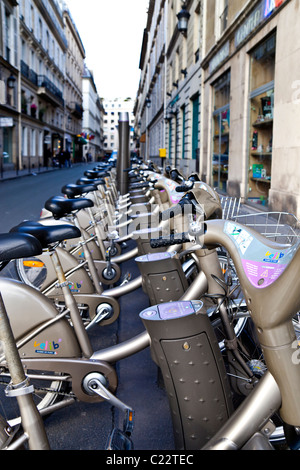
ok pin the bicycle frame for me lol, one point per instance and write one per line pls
(273, 320)
(263, 293)
(19, 387)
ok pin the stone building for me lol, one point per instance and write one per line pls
(43, 47)
(222, 96)
(113, 107)
(251, 101)
(75, 56)
(9, 77)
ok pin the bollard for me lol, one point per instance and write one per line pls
(123, 161)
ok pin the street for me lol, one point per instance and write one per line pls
(87, 426)
(23, 198)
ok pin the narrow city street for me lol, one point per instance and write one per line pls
(23, 198)
(85, 426)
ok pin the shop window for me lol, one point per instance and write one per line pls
(262, 74)
(221, 131)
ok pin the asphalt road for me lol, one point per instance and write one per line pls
(87, 426)
(24, 197)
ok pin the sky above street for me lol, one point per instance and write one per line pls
(111, 32)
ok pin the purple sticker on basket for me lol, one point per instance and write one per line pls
(261, 274)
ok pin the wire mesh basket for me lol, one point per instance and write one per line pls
(281, 227)
(231, 206)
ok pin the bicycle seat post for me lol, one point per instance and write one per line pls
(72, 306)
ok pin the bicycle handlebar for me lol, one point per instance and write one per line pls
(174, 239)
(185, 187)
(140, 185)
(269, 276)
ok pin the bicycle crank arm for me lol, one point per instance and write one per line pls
(96, 384)
(94, 302)
(78, 369)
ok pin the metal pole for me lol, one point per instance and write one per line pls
(123, 161)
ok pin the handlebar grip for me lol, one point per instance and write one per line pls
(139, 185)
(175, 239)
(171, 212)
(183, 188)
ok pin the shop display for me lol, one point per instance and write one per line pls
(261, 121)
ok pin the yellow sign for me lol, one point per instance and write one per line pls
(162, 153)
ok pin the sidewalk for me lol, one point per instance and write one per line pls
(13, 174)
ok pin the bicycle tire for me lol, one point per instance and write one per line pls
(46, 393)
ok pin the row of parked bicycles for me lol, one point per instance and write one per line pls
(222, 322)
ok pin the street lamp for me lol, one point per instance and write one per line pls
(183, 18)
(11, 81)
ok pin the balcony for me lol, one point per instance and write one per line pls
(76, 110)
(49, 92)
(29, 73)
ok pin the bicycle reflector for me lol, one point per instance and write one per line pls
(33, 264)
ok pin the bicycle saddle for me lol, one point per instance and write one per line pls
(18, 245)
(93, 174)
(96, 182)
(73, 190)
(61, 207)
(47, 234)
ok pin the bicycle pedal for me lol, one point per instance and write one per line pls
(126, 278)
(119, 440)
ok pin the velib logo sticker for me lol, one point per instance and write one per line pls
(48, 347)
(273, 257)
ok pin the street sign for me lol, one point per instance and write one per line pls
(162, 153)
(6, 122)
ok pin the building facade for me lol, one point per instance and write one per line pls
(92, 117)
(222, 97)
(251, 87)
(112, 108)
(168, 106)
(9, 78)
(43, 47)
(41, 90)
(75, 56)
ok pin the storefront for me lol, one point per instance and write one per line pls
(261, 111)
(251, 143)
(7, 142)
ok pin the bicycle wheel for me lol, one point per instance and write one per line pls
(48, 391)
(31, 271)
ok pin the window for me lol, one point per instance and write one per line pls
(7, 37)
(262, 73)
(41, 144)
(224, 17)
(221, 17)
(24, 141)
(40, 31)
(32, 19)
(183, 117)
(33, 143)
(195, 127)
(196, 36)
(221, 131)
